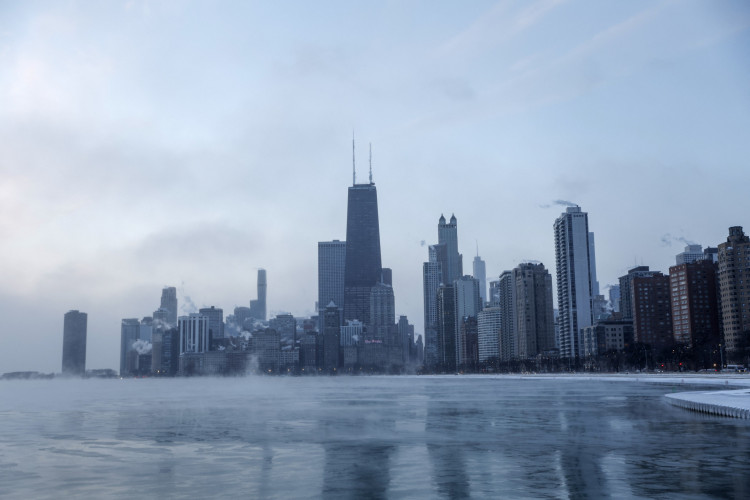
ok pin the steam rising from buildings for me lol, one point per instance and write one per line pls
(142, 346)
(667, 240)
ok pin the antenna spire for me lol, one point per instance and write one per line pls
(370, 163)
(354, 168)
(477, 247)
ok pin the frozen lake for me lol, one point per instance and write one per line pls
(364, 437)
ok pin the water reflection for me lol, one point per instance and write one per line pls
(379, 437)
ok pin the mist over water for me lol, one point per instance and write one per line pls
(363, 437)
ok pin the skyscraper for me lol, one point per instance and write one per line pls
(431, 279)
(130, 330)
(506, 299)
(194, 334)
(448, 236)
(480, 273)
(382, 312)
(258, 307)
(734, 275)
(534, 310)
(488, 326)
(468, 304)
(169, 303)
(331, 337)
(331, 266)
(74, 343)
(695, 307)
(576, 278)
(215, 317)
(652, 310)
(363, 269)
(614, 297)
(446, 337)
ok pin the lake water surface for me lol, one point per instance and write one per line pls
(363, 437)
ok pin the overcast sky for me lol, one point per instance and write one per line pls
(145, 144)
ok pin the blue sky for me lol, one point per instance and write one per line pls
(185, 143)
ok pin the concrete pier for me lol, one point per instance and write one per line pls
(734, 404)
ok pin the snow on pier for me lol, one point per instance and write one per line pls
(724, 403)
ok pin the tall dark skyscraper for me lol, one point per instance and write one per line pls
(331, 266)
(363, 268)
(448, 236)
(74, 343)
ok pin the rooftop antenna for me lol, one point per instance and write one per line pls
(477, 241)
(354, 169)
(370, 163)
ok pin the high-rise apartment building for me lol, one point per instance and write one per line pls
(734, 277)
(535, 328)
(488, 328)
(652, 310)
(169, 303)
(506, 299)
(576, 278)
(695, 306)
(480, 273)
(331, 267)
(363, 268)
(626, 296)
(74, 343)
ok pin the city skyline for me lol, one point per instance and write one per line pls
(495, 123)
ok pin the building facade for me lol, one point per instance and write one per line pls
(695, 306)
(626, 297)
(652, 310)
(535, 328)
(734, 276)
(488, 332)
